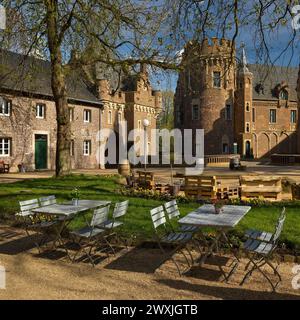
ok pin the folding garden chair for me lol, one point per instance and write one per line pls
(92, 236)
(47, 201)
(179, 239)
(263, 235)
(59, 223)
(259, 254)
(174, 213)
(33, 222)
(120, 210)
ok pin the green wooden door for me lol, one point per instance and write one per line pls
(41, 152)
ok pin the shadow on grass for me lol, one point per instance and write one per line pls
(227, 293)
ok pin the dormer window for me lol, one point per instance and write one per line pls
(283, 95)
(259, 88)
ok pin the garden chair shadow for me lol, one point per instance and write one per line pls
(225, 292)
(138, 259)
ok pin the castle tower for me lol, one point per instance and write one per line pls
(204, 97)
(245, 113)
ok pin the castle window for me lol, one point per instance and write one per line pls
(195, 114)
(40, 111)
(217, 79)
(109, 118)
(87, 147)
(253, 115)
(247, 106)
(139, 124)
(283, 95)
(5, 147)
(119, 117)
(72, 148)
(179, 118)
(5, 108)
(225, 148)
(87, 116)
(228, 113)
(247, 127)
(293, 116)
(273, 116)
(71, 114)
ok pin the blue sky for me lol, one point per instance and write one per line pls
(277, 41)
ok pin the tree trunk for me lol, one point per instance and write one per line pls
(58, 83)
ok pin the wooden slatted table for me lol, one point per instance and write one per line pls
(205, 216)
(66, 212)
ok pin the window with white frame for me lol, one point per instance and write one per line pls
(5, 147)
(5, 107)
(293, 116)
(87, 116)
(109, 117)
(72, 145)
(40, 111)
(87, 147)
(273, 116)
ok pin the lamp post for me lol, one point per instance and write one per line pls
(146, 124)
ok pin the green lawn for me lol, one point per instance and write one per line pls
(138, 220)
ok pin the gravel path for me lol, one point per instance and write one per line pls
(133, 274)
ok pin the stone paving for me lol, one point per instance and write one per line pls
(163, 175)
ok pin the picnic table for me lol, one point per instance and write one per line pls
(205, 216)
(66, 212)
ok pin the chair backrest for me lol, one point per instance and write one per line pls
(47, 201)
(120, 209)
(27, 206)
(158, 217)
(279, 226)
(100, 216)
(172, 209)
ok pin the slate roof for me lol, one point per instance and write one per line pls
(33, 76)
(270, 77)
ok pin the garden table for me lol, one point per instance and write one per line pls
(66, 212)
(205, 216)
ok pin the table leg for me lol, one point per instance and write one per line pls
(210, 249)
(235, 262)
(58, 238)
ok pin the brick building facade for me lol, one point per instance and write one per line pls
(253, 106)
(28, 116)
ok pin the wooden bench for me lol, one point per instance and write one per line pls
(269, 188)
(4, 167)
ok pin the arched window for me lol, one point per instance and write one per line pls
(283, 95)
